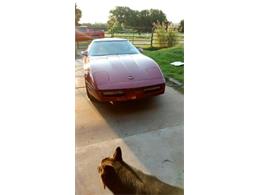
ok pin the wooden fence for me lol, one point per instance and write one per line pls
(143, 40)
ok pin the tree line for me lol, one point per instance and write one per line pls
(124, 18)
(141, 21)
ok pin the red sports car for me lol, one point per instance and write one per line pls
(84, 31)
(115, 70)
(80, 36)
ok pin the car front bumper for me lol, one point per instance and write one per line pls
(129, 94)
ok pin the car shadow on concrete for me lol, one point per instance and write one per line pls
(139, 117)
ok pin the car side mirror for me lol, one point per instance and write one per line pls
(141, 50)
(84, 53)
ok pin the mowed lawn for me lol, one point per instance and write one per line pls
(164, 57)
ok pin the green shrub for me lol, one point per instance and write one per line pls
(165, 35)
(116, 27)
(172, 39)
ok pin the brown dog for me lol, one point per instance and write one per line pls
(121, 178)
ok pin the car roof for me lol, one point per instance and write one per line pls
(109, 39)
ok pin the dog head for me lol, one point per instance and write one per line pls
(108, 170)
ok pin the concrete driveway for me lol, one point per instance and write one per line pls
(150, 133)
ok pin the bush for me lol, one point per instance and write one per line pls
(181, 26)
(165, 34)
(171, 36)
(115, 28)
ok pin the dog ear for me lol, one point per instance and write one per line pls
(118, 154)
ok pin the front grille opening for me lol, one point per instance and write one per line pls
(113, 93)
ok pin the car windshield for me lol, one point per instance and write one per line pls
(103, 48)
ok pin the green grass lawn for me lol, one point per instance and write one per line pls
(164, 57)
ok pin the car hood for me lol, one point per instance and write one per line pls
(134, 68)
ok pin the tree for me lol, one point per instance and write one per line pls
(181, 26)
(148, 17)
(78, 15)
(123, 16)
(141, 21)
(114, 26)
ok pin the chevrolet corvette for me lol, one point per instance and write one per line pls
(115, 70)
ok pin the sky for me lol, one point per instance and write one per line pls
(98, 10)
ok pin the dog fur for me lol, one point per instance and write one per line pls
(122, 179)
